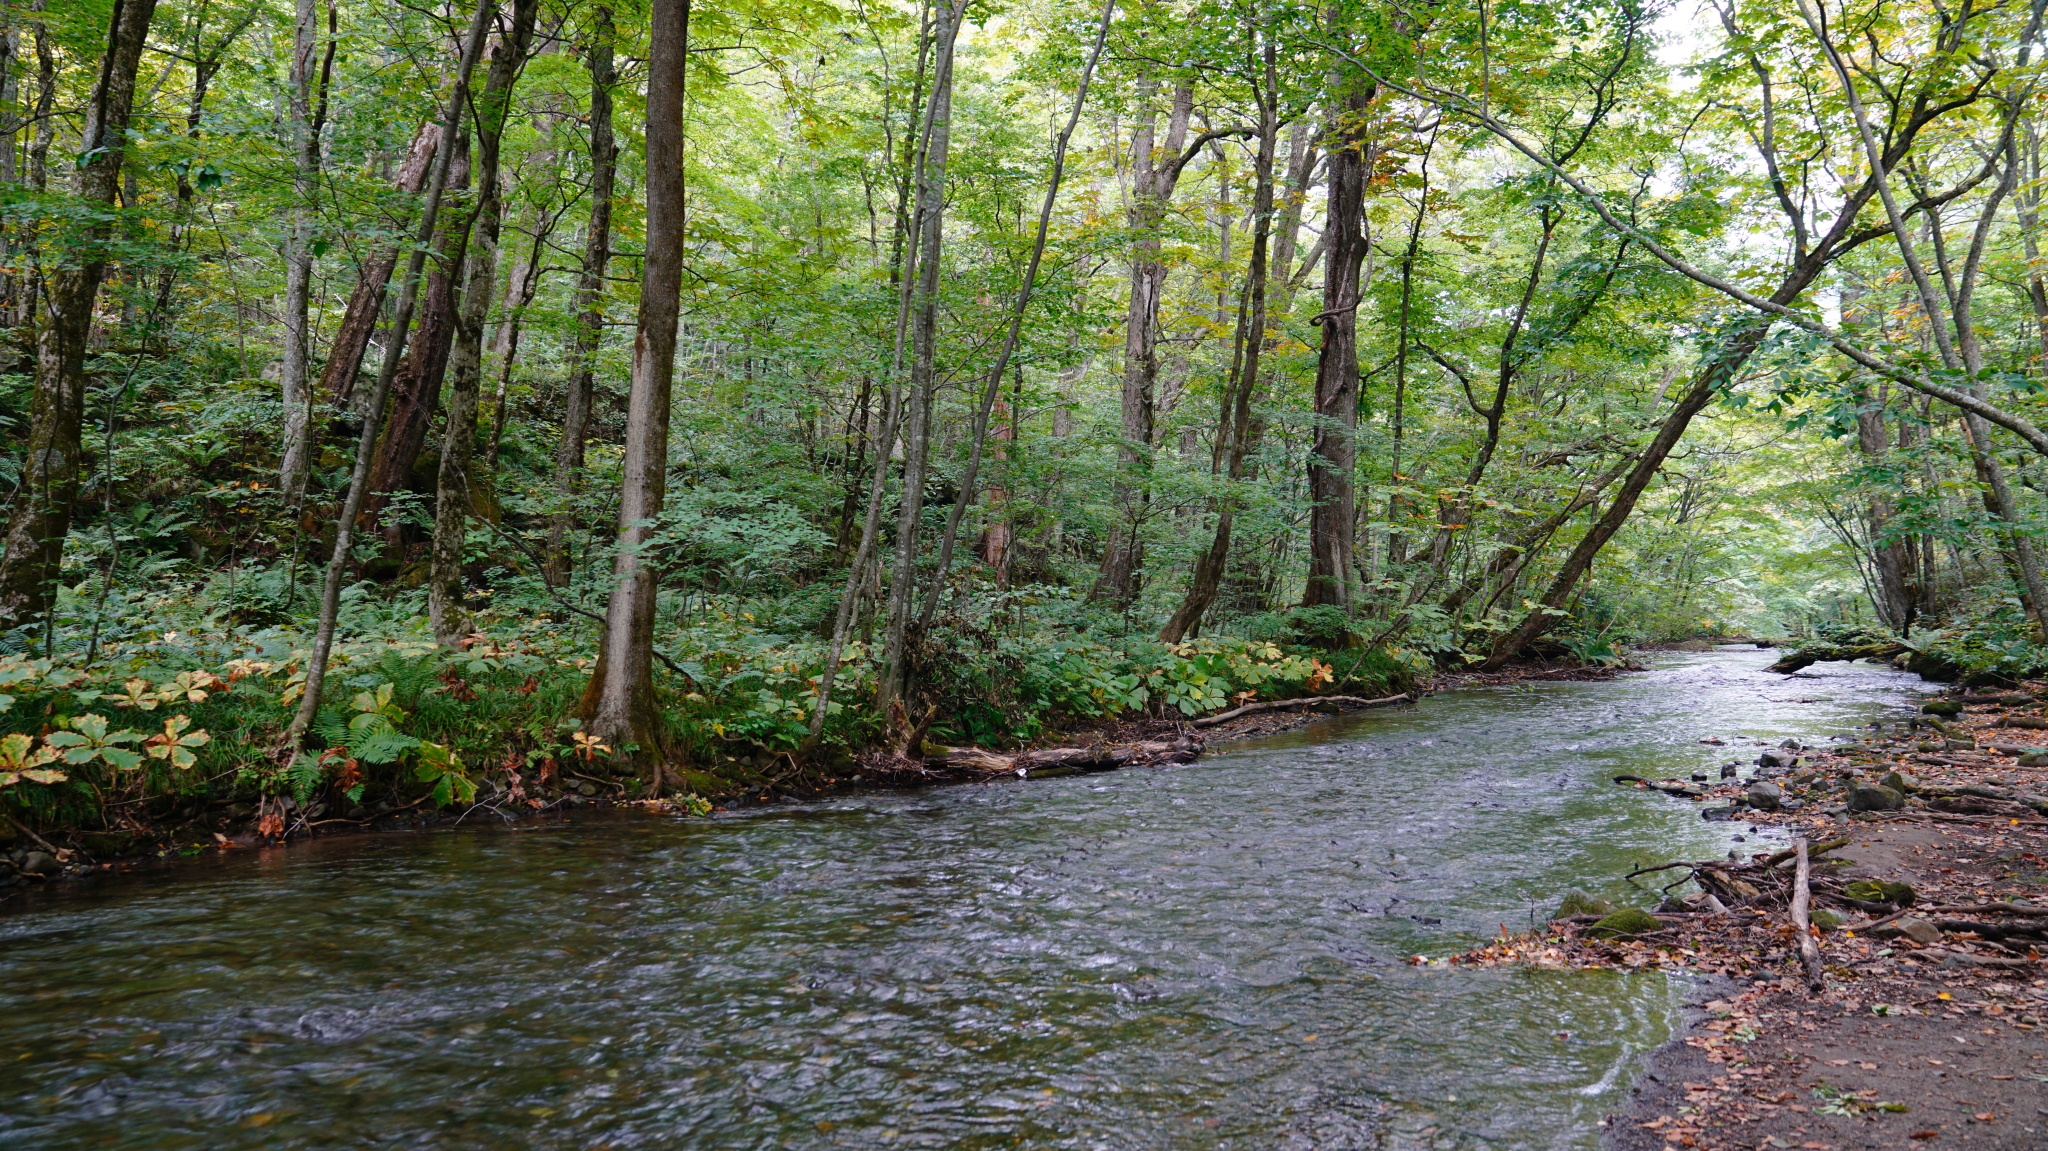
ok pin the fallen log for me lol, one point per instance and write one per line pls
(1983, 909)
(1049, 761)
(1308, 701)
(2028, 722)
(1834, 653)
(1802, 926)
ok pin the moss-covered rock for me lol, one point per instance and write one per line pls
(1900, 782)
(1873, 797)
(1628, 923)
(1578, 902)
(1941, 707)
(1825, 920)
(1879, 891)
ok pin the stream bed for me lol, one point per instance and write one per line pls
(1205, 956)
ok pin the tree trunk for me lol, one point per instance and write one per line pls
(41, 516)
(923, 383)
(416, 388)
(366, 443)
(1234, 427)
(1892, 560)
(1727, 360)
(454, 489)
(295, 382)
(1152, 184)
(619, 701)
(597, 242)
(373, 280)
(1333, 515)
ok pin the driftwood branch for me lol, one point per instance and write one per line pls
(1802, 927)
(1307, 701)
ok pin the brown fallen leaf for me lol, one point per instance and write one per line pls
(1926, 1135)
(1985, 1116)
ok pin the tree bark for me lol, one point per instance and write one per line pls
(373, 280)
(416, 388)
(1333, 458)
(619, 701)
(455, 492)
(590, 283)
(41, 515)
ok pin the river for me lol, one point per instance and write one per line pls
(1205, 956)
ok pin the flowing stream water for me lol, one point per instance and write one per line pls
(1206, 956)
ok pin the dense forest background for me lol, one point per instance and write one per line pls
(405, 399)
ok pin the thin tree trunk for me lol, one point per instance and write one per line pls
(597, 242)
(918, 396)
(619, 701)
(455, 491)
(1234, 432)
(295, 380)
(1017, 312)
(863, 575)
(1333, 516)
(41, 515)
(366, 443)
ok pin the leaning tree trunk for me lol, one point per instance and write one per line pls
(597, 244)
(401, 321)
(416, 388)
(1727, 361)
(1333, 514)
(619, 701)
(454, 491)
(48, 491)
(373, 281)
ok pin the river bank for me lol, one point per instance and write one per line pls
(1918, 1019)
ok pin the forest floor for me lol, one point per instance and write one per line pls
(1929, 1029)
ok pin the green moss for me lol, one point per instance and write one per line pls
(1578, 902)
(1628, 923)
(1878, 891)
